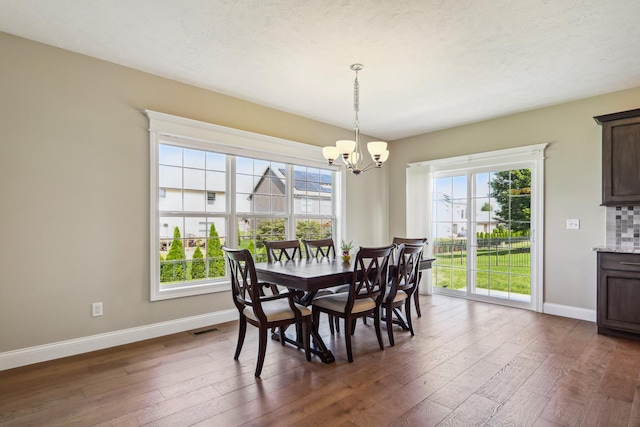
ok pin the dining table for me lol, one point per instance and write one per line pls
(310, 276)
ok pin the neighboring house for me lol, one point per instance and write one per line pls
(311, 192)
(450, 218)
(172, 199)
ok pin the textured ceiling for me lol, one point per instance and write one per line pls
(429, 64)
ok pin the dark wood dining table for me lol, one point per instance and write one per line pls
(311, 275)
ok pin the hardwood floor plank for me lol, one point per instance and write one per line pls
(505, 382)
(385, 411)
(309, 404)
(352, 409)
(569, 404)
(607, 412)
(522, 409)
(475, 411)
(156, 411)
(425, 414)
(470, 363)
(546, 379)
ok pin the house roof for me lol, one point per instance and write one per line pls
(304, 182)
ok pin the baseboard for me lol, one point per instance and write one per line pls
(42, 353)
(569, 311)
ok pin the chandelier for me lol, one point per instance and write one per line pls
(351, 151)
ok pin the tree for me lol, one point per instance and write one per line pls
(214, 253)
(486, 207)
(269, 229)
(174, 271)
(511, 190)
(198, 266)
(309, 230)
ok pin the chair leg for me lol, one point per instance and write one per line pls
(407, 309)
(262, 350)
(348, 325)
(388, 316)
(282, 331)
(315, 320)
(376, 322)
(331, 324)
(306, 338)
(416, 296)
(337, 322)
(242, 330)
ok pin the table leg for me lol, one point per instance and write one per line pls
(319, 348)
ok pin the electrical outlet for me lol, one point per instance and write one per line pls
(96, 309)
(573, 224)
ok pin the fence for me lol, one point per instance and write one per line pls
(514, 251)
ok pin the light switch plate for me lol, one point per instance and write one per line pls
(573, 224)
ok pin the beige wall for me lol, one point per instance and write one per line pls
(572, 182)
(74, 175)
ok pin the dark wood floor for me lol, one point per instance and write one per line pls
(469, 364)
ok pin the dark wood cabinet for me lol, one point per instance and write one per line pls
(620, 158)
(619, 294)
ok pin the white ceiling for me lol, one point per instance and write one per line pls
(429, 64)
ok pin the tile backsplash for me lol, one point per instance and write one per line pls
(623, 226)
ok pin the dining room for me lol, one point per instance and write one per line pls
(83, 228)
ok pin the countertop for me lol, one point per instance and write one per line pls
(617, 249)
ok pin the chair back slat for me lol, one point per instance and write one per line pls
(370, 274)
(244, 281)
(283, 250)
(406, 264)
(319, 248)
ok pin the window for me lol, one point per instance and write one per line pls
(211, 193)
(211, 198)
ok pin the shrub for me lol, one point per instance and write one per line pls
(173, 271)
(214, 254)
(198, 266)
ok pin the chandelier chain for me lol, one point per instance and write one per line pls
(356, 98)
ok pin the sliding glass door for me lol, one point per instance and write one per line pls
(481, 233)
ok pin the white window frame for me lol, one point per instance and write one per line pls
(206, 136)
(419, 201)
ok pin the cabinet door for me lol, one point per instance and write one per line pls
(619, 300)
(621, 162)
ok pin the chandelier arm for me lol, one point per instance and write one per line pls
(371, 165)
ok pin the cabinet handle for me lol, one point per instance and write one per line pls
(637, 264)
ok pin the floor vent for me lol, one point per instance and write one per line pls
(204, 331)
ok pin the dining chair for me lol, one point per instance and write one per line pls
(282, 250)
(323, 248)
(366, 291)
(402, 284)
(263, 311)
(413, 241)
(319, 248)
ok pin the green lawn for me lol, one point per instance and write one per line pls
(497, 270)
